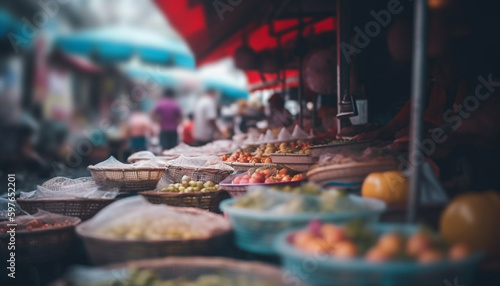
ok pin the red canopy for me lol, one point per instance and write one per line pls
(215, 29)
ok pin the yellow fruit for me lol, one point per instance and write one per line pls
(473, 219)
(391, 187)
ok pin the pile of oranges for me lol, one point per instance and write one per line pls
(334, 240)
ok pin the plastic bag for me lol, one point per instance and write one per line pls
(7, 206)
(66, 188)
(39, 220)
(210, 162)
(135, 218)
(110, 162)
(141, 155)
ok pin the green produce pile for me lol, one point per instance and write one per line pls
(305, 199)
(188, 185)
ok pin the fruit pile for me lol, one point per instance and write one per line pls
(296, 147)
(267, 176)
(241, 157)
(190, 186)
(279, 202)
(36, 224)
(354, 240)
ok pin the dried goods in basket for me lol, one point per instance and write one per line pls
(41, 237)
(133, 228)
(80, 197)
(203, 168)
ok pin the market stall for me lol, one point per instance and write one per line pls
(313, 209)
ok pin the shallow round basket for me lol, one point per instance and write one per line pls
(207, 201)
(193, 267)
(243, 167)
(103, 250)
(349, 172)
(83, 209)
(256, 230)
(238, 190)
(127, 179)
(174, 174)
(41, 245)
(357, 271)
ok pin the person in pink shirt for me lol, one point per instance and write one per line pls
(168, 114)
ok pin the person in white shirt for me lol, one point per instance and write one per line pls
(205, 116)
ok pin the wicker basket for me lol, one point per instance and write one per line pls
(207, 201)
(127, 179)
(243, 167)
(102, 250)
(41, 245)
(174, 174)
(318, 150)
(80, 208)
(350, 172)
(193, 267)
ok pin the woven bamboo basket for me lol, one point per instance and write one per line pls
(193, 267)
(80, 208)
(127, 179)
(174, 174)
(41, 245)
(243, 167)
(349, 172)
(103, 250)
(207, 201)
(318, 150)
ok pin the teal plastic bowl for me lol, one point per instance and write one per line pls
(256, 230)
(322, 270)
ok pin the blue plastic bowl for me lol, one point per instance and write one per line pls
(316, 270)
(256, 230)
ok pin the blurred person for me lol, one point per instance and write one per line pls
(187, 130)
(205, 118)
(169, 115)
(446, 86)
(248, 114)
(139, 128)
(280, 116)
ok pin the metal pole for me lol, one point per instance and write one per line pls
(343, 26)
(301, 92)
(419, 72)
